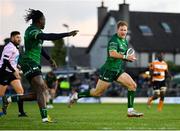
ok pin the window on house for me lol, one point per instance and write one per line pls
(146, 30)
(166, 27)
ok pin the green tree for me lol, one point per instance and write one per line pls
(173, 67)
(58, 53)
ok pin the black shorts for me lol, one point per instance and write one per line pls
(158, 84)
(6, 77)
(30, 69)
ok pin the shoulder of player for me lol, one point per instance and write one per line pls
(9, 46)
(154, 63)
(32, 28)
(113, 39)
(118, 39)
(164, 62)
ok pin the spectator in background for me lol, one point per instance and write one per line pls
(64, 86)
(52, 83)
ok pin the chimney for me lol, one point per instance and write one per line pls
(102, 12)
(124, 12)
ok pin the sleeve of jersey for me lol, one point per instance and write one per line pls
(7, 52)
(113, 46)
(52, 36)
(6, 63)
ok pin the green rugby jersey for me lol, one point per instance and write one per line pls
(32, 44)
(120, 45)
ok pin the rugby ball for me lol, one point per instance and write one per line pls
(130, 51)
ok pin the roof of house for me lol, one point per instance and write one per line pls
(159, 41)
(98, 32)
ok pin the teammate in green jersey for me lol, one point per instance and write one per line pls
(113, 70)
(30, 60)
(52, 84)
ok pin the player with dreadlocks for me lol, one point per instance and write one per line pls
(30, 60)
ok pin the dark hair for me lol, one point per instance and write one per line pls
(159, 56)
(13, 33)
(35, 15)
(122, 23)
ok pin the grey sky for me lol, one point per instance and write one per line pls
(78, 14)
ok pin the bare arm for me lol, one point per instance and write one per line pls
(117, 55)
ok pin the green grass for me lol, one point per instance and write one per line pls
(93, 117)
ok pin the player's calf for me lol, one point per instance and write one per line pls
(5, 104)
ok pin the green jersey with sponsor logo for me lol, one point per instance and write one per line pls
(120, 46)
(32, 44)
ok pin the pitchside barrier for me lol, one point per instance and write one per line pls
(65, 99)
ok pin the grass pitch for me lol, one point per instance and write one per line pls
(93, 117)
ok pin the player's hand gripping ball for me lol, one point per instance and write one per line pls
(130, 55)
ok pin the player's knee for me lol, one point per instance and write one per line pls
(1, 93)
(156, 94)
(98, 94)
(20, 91)
(41, 87)
(95, 93)
(133, 86)
(162, 94)
(163, 89)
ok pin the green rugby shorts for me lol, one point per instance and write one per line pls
(109, 75)
(30, 69)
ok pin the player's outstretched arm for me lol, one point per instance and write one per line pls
(73, 33)
(54, 36)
